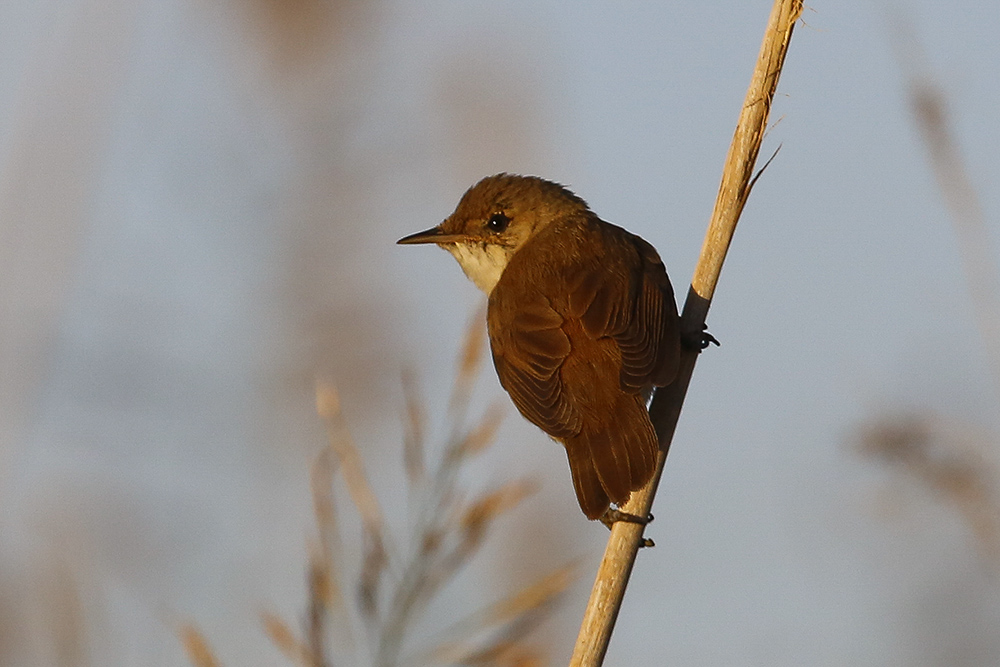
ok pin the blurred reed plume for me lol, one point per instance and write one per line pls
(447, 528)
(982, 272)
(196, 646)
(947, 460)
(946, 457)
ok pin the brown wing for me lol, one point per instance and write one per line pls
(528, 350)
(633, 303)
(627, 298)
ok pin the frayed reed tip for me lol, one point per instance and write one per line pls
(327, 400)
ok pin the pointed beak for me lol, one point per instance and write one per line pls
(432, 235)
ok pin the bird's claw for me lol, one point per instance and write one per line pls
(699, 340)
(612, 516)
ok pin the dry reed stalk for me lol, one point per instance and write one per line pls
(737, 181)
(937, 454)
(507, 611)
(414, 430)
(196, 646)
(982, 273)
(352, 467)
(283, 637)
(448, 530)
(468, 369)
(328, 407)
(445, 550)
(949, 461)
(482, 436)
(513, 616)
(326, 550)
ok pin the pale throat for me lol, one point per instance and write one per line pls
(483, 264)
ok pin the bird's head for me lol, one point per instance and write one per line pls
(495, 218)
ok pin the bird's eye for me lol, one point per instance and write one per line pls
(497, 222)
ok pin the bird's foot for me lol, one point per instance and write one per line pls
(613, 515)
(699, 340)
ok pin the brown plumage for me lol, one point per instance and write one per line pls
(582, 324)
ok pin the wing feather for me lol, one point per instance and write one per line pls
(528, 352)
(633, 303)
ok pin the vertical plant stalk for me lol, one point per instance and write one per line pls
(928, 104)
(737, 180)
(982, 274)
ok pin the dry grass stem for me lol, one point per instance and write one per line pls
(326, 550)
(445, 550)
(323, 596)
(507, 612)
(478, 517)
(375, 561)
(941, 458)
(480, 438)
(945, 458)
(982, 271)
(196, 646)
(534, 596)
(737, 178)
(361, 493)
(326, 598)
(502, 653)
(321, 482)
(738, 172)
(322, 583)
(415, 427)
(446, 529)
(285, 640)
(468, 369)
(349, 458)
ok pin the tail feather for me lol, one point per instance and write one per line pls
(590, 492)
(609, 462)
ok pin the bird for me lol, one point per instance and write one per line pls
(582, 324)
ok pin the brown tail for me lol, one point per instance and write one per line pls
(611, 461)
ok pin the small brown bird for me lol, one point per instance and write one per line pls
(582, 324)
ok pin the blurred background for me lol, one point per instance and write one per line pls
(198, 208)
